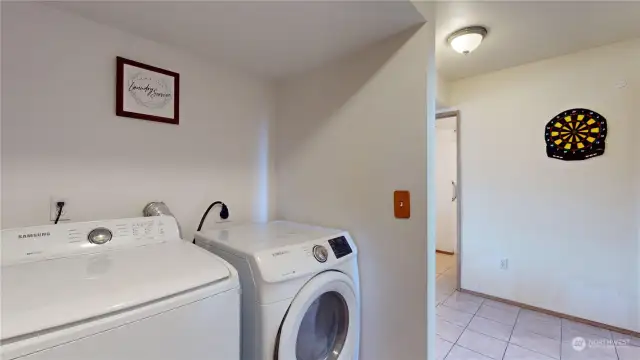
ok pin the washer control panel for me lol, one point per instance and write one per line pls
(52, 241)
(100, 236)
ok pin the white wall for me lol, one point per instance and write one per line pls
(442, 93)
(569, 229)
(60, 135)
(348, 135)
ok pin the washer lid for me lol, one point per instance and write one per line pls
(42, 295)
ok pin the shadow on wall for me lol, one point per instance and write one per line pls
(353, 74)
(348, 135)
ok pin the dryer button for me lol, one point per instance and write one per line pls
(320, 253)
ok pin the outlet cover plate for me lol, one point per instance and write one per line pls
(504, 264)
(53, 209)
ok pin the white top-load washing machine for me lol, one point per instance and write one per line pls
(127, 289)
(300, 289)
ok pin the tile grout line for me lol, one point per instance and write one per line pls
(475, 352)
(456, 342)
(465, 328)
(497, 307)
(489, 336)
(535, 351)
(545, 336)
(537, 333)
(614, 348)
(493, 337)
(513, 330)
(462, 311)
(474, 316)
(495, 321)
(447, 298)
(599, 334)
(510, 335)
(461, 333)
(449, 352)
(509, 342)
(589, 334)
(560, 354)
(449, 322)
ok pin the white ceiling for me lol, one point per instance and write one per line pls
(526, 31)
(270, 39)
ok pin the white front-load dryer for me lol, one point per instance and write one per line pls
(300, 289)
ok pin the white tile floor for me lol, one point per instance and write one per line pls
(473, 328)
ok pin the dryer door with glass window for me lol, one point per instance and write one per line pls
(323, 321)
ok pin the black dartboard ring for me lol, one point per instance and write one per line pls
(576, 134)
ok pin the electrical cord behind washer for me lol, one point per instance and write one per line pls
(60, 205)
(224, 214)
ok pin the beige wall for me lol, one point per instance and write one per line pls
(61, 137)
(443, 93)
(569, 229)
(348, 135)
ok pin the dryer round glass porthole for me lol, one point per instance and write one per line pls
(322, 322)
(324, 328)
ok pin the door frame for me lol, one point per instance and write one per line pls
(458, 254)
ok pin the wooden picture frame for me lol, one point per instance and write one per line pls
(147, 92)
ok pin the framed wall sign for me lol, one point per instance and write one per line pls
(147, 92)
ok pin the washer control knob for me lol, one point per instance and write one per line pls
(100, 236)
(320, 253)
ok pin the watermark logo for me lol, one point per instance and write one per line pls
(579, 343)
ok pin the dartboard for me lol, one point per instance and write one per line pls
(576, 134)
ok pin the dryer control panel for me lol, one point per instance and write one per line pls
(311, 257)
(340, 246)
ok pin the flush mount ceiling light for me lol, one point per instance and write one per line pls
(467, 39)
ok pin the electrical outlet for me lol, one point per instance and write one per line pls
(504, 264)
(53, 209)
(621, 84)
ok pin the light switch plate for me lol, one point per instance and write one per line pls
(402, 204)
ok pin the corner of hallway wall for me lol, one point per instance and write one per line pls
(348, 135)
(1, 94)
(443, 92)
(61, 137)
(428, 10)
(569, 229)
(636, 161)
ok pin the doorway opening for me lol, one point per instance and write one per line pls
(447, 176)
